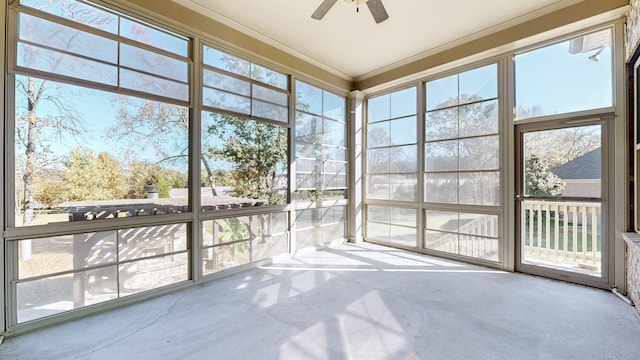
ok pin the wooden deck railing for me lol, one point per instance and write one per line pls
(563, 233)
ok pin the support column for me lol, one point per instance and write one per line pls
(355, 135)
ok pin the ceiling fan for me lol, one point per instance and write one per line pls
(375, 6)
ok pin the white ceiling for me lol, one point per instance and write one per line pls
(352, 45)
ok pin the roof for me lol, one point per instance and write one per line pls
(587, 166)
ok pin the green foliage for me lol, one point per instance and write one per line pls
(539, 181)
(222, 178)
(231, 230)
(50, 193)
(142, 174)
(258, 153)
(93, 177)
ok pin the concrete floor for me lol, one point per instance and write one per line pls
(354, 301)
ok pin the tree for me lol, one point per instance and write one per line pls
(539, 181)
(160, 126)
(576, 141)
(257, 152)
(60, 119)
(463, 138)
(93, 177)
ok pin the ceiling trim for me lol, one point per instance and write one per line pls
(478, 35)
(261, 37)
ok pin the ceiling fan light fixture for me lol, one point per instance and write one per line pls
(358, 2)
(378, 11)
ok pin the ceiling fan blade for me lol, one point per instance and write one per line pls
(377, 10)
(322, 10)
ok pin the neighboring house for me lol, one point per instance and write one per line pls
(582, 175)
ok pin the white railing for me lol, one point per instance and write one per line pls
(566, 234)
(477, 238)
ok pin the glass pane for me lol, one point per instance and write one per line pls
(378, 231)
(137, 243)
(402, 235)
(269, 246)
(379, 214)
(224, 61)
(153, 36)
(574, 169)
(480, 188)
(441, 155)
(82, 166)
(234, 229)
(66, 65)
(44, 297)
(334, 232)
(325, 195)
(404, 187)
(153, 63)
(308, 218)
(308, 166)
(379, 108)
(308, 181)
(79, 12)
(440, 241)
(403, 131)
(569, 76)
(479, 247)
(279, 223)
(403, 159)
(441, 188)
(378, 160)
(65, 253)
(268, 76)
(334, 106)
(441, 125)
(308, 151)
(335, 174)
(270, 111)
(308, 98)
(153, 85)
(245, 160)
(270, 95)
(479, 119)
(334, 133)
(378, 187)
(442, 93)
(481, 153)
(442, 220)
(479, 224)
(308, 128)
(309, 237)
(226, 101)
(63, 38)
(404, 217)
(479, 84)
(335, 181)
(378, 134)
(334, 214)
(153, 273)
(226, 256)
(226, 82)
(403, 103)
(334, 153)
(465, 245)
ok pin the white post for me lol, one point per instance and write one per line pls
(355, 128)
